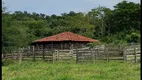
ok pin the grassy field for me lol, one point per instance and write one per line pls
(39, 70)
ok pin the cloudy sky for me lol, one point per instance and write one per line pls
(57, 7)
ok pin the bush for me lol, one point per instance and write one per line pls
(133, 37)
(6, 62)
(91, 45)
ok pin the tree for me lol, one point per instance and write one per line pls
(100, 17)
(126, 16)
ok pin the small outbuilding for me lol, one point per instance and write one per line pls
(64, 40)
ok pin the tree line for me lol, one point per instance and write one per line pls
(120, 25)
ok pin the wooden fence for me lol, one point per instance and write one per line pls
(132, 54)
(109, 52)
(100, 52)
(40, 54)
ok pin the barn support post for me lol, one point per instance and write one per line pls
(61, 45)
(37, 47)
(135, 55)
(70, 45)
(33, 51)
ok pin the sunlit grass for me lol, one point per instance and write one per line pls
(100, 70)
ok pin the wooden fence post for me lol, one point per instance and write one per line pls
(92, 54)
(125, 55)
(28, 51)
(120, 49)
(97, 51)
(57, 54)
(53, 56)
(71, 52)
(33, 50)
(2, 55)
(135, 55)
(76, 56)
(20, 55)
(107, 53)
(43, 52)
(11, 55)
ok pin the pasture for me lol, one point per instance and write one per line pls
(100, 70)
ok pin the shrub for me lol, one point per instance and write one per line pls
(6, 62)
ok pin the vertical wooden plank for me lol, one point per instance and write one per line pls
(135, 55)
(33, 51)
(71, 46)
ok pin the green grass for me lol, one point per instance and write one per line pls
(100, 70)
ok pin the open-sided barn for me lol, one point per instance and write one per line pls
(64, 40)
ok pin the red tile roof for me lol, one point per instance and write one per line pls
(67, 36)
